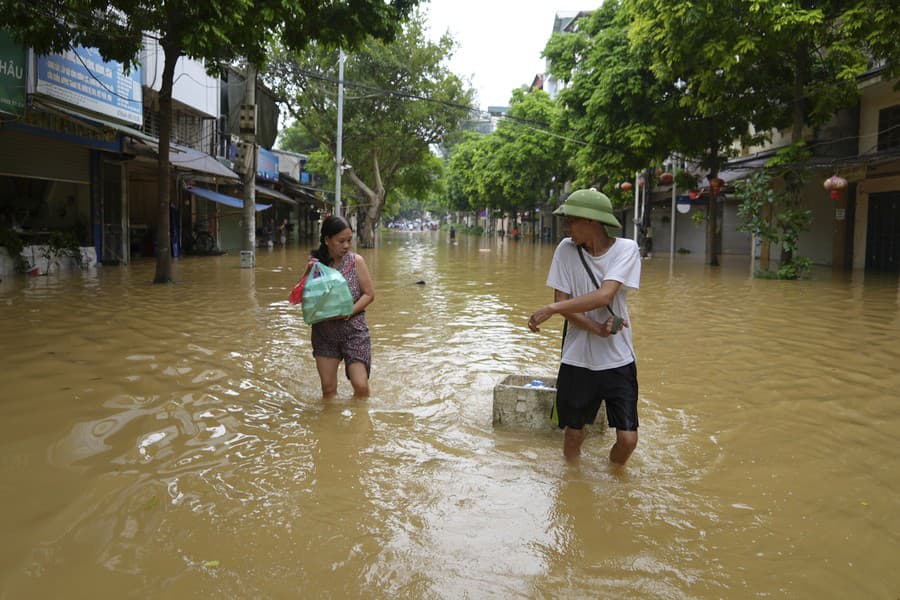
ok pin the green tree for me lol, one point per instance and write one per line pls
(400, 101)
(530, 157)
(296, 138)
(462, 183)
(744, 68)
(212, 30)
(515, 167)
(421, 190)
(616, 112)
(758, 200)
(714, 92)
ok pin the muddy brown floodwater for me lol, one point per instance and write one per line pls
(170, 441)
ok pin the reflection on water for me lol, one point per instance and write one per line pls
(170, 440)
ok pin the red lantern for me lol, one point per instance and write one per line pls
(715, 185)
(666, 178)
(835, 184)
(626, 186)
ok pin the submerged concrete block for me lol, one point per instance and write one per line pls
(525, 402)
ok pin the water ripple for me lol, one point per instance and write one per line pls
(172, 439)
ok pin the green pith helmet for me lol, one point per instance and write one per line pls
(589, 204)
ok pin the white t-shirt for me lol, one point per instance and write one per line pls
(622, 263)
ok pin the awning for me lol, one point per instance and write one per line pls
(185, 158)
(308, 194)
(262, 190)
(223, 199)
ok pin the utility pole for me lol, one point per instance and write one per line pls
(247, 160)
(643, 227)
(339, 158)
(672, 208)
(637, 204)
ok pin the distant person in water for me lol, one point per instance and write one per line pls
(343, 338)
(452, 233)
(283, 231)
(591, 272)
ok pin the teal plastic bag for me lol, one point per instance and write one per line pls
(326, 295)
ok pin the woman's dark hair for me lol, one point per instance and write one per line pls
(332, 225)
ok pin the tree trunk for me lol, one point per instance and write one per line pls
(375, 200)
(712, 224)
(369, 227)
(765, 247)
(248, 215)
(163, 236)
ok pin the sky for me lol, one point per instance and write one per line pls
(499, 41)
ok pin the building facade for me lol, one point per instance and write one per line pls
(79, 149)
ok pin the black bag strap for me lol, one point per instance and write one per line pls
(562, 343)
(590, 273)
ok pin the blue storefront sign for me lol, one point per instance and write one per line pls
(82, 78)
(267, 165)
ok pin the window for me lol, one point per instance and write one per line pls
(889, 128)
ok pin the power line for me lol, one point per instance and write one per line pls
(534, 125)
(103, 85)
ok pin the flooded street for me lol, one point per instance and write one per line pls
(171, 441)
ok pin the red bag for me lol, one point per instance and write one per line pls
(296, 295)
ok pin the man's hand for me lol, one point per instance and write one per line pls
(611, 326)
(538, 317)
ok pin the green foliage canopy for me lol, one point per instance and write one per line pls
(514, 167)
(400, 101)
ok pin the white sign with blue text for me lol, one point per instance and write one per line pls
(82, 78)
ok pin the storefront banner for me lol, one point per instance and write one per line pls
(12, 76)
(267, 165)
(82, 78)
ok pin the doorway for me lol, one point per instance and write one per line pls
(883, 233)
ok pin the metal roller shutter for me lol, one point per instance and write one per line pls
(34, 156)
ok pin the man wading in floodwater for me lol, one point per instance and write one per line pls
(590, 274)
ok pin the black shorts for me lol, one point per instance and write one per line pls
(579, 392)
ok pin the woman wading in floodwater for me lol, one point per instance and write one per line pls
(343, 338)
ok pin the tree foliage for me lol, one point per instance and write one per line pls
(515, 167)
(618, 110)
(768, 62)
(400, 100)
(531, 159)
(296, 138)
(757, 200)
(462, 185)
